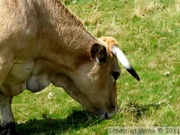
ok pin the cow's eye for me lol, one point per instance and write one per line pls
(115, 75)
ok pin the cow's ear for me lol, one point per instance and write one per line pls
(98, 53)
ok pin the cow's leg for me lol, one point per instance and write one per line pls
(7, 118)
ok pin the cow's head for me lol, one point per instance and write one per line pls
(93, 85)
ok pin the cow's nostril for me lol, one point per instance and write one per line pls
(106, 116)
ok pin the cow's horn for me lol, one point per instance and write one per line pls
(124, 61)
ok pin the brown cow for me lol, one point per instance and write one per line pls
(41, 42)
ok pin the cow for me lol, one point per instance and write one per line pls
(42, 42)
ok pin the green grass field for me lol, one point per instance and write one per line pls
(148, 31)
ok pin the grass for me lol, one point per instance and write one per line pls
(148, 31)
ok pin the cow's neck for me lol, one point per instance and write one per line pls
(63, 36)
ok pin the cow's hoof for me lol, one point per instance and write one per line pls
(8, 129)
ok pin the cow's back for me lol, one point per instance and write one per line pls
(18, 26)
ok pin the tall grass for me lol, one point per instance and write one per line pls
(148, 31)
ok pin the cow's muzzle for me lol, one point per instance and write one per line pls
(106, 115)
